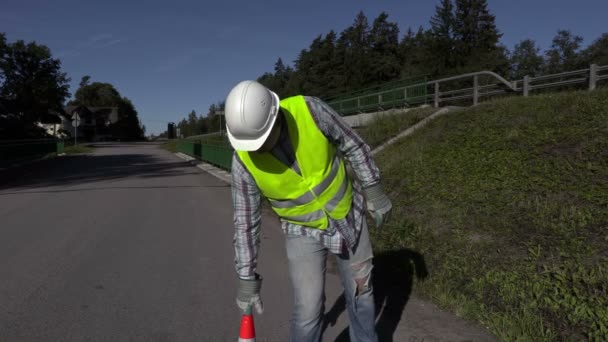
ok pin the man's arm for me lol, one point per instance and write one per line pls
(246, 200)
(348, 142)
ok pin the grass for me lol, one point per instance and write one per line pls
(216, 140)
(75, 149)
(508, 204)
(389, 125)
(170, 145)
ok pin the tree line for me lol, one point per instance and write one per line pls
(461, 37)
(33, 88)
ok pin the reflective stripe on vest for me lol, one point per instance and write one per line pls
(321, 191)
(310, 195)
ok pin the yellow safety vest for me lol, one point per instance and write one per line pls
(323, 190)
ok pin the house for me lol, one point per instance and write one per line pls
(95, 122)
(52, 123)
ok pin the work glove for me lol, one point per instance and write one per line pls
(248, 295)
(379, 205)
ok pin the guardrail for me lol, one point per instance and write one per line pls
(383, 97)
(19, 150)
(590, 76)
(218, 155)
(395, 94)
(587, 77)
(431, 91)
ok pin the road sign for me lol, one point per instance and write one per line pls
(75, 124)
(75, 120)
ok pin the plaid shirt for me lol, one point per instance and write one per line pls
(246, 196)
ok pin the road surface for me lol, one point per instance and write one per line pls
(131, 243)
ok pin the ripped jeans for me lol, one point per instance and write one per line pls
(307, 272)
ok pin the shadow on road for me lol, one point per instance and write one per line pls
(4, 193)
(86, 168)
(393, 277)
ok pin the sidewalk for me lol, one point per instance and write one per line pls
(402, 317)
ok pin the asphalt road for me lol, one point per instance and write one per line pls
(131, 243)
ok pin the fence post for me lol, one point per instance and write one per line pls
(436, 94)
(475, 90)
(592, 76)
(526, 86)
(379, 99)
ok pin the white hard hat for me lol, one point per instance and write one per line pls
(251, 110)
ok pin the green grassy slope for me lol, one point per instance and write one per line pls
(508, 204)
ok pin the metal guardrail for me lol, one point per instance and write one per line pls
(589, 77)
(18, 150)
(424, 92)
(395, 94)
(218, 155)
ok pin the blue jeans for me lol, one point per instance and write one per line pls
(307, 272)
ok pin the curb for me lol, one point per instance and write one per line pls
(211, 169)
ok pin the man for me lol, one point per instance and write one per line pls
(293, 153)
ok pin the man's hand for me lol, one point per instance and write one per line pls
(379, 205)
(248, 295)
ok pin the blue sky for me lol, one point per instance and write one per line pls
(170, 57)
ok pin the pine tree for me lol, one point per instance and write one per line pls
(352, 50)
(384, 42)
(192, 123)
(476, 36)
(415, 54)
(277, 81)
(441, 46)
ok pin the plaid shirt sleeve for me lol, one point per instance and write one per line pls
(246, 201)
(348, 142)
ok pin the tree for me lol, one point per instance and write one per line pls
(84, 81)
(183, 128)
(99, 94)
(277, 82)
(352, 51)
(31, 86)
(597, 52)
(564, 54)
(128, 126)
(314, 65)
(202, 125)
(192, 123)
(526, 59)
(442, 22)
(384, 44)
(415, 54)
(442, 44)
(476, 37)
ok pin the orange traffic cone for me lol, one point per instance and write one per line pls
(247, 333)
